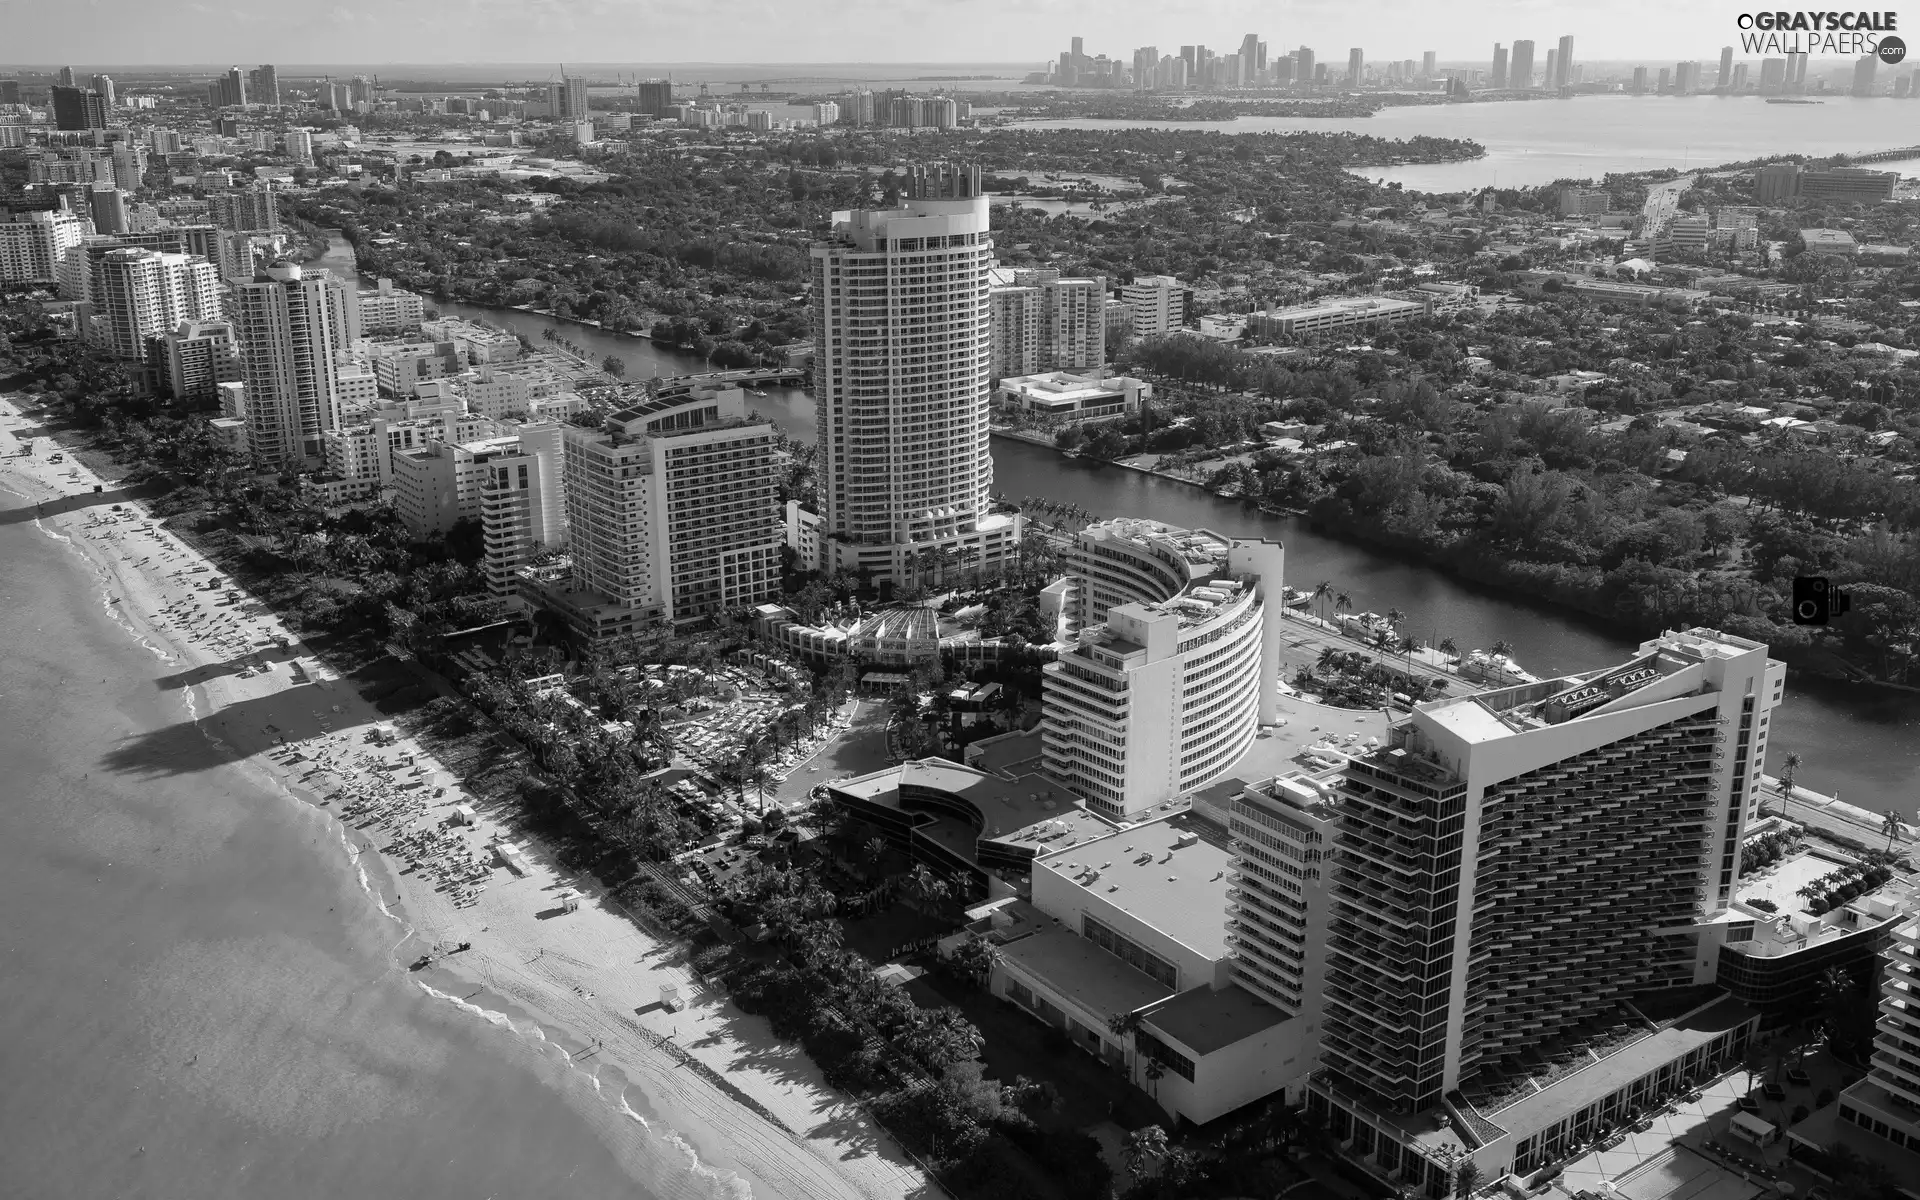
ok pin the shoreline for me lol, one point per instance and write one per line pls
(584, 982)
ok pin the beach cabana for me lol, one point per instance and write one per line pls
(1752, 1128)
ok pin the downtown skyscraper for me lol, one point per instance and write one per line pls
(1563, 68)
(1520, 65)
(903, 353)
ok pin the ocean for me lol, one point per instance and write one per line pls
(198, 998)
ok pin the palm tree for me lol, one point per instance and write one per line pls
(1407, 646)
(1142, 1148)
(1502, 647)
(1449, 647)
(1156, 1071)
(1322, 593)
(1891, 827)
(1789, 767)
(875, 847)
(1342, 602)
(925, 885)
(1467, 1180)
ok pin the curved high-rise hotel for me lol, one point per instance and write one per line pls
(902, 357)
(1177, 670)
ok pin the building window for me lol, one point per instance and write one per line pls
(1166, 1055)
(1130, 952)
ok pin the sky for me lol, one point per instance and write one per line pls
(95, 33)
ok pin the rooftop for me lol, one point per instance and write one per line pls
(1029, 811)
(1075, 967)
(1205, 1020)
(1545, 1108)
(1169, 873)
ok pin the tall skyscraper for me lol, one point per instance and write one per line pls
(1725, 80)
(653, 97)
(292, 325)
(1253, 58)
(903, 351)
(1639, 80)
(1549, 72)
(1306, 72)
(1863, 76)
(1356, 64)
(104, 85)
(1563, 72)
(1499, 65)
(568, 99)
(1520, 66)
(64, 78)
(1686, 78)
(263, 85)
(78, 108)
(1427, 65)
(1797, 64)
(139, 295)
(1613, 801)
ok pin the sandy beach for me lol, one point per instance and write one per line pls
(580, 978)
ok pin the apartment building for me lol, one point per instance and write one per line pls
(199, 357)
(33, 245)
(523, 506)
(1042, 322)
(1159, 304)
(246, 210)
(290, 324)
(1164, 693)
(387, 311)
(139, 295)
(902, 366)
(1509, 871)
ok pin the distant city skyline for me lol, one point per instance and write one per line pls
(120, 32)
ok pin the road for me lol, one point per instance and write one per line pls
(1826, 814)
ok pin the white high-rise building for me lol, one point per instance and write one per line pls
(1042, 322)
(141, 294)
(1176, 670)
(388, 311)
(291, 325)
(1513, 866)
(523, 505)
(1159, 304)
(671, 516)
(35, 245)
(902, 365)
